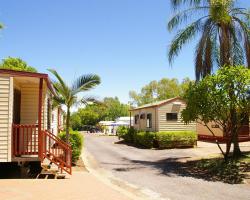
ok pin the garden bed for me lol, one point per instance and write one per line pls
(161, 140)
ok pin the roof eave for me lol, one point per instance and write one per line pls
(152, 106)
(15, 73)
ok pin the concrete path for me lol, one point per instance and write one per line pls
(80, 186)
(151, 170)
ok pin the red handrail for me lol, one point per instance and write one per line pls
(25, 139)
(57, 151)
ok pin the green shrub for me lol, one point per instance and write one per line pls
(76, 141)
(174, 139)
(128, 134)
(145, 139)
(121, 131)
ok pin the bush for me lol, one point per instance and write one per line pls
(145, 139)
(174, 139)
(128, 134)
(122, 131)
(76, 141)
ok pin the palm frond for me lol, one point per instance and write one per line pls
(85, 83)
(246, 33)
(237, 51)
(182, 38)
(177, 3)
(1, 26)
(247, 47)
(87, 100)
(58, 100)
(183, 16)
(204, 51)
(208, 65)
(60, 89)
(59, 78)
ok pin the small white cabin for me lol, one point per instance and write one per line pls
(28, 123)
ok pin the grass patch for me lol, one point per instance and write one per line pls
(215, 169)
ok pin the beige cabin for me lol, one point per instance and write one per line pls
(28, 123)
(161, 116)
(214, 132)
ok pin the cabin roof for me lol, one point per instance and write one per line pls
(157, 103)
(15, 73)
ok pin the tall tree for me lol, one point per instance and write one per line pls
(67, 95)
(211, 99)
(159, 90)
(16, 64)
(223, 29)
(108, 109)
(114, 108)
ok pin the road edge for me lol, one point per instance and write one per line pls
(125, 188)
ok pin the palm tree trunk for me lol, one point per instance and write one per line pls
(226, 60)
(67, 124)
(225, 54)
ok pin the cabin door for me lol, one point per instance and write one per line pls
(17, 107)
(16, 114)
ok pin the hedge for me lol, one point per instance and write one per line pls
(162, 140)
(76, 141)
(145, 139)
(128, 134)
(174, 139)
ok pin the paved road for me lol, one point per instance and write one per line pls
(152, 169)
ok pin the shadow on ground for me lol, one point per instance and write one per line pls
(14, 171)
(213, 169)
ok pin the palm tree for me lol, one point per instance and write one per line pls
(67, 95)
(223, 29)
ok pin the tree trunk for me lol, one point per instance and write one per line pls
(225, 47)
(228, 147)
(237, 151)
(234, 131)
(67, 124)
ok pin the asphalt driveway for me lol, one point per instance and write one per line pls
(155, 170)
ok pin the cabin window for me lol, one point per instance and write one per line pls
(172, 116)
(215, 126)
(142, 116)
(136, 119)
(149, 120)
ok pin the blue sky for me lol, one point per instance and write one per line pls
(123, 41)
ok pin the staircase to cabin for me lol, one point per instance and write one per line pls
(55, 155)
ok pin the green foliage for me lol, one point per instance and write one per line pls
(170, 139)
(16, 64)
(221, 25)
(76, 141)
(128, 134)
(67, 95)
(174, 139)
(122, 131)
(219, 170)
(145, 139)
(222, 98)
(212, 98)
(109, 109)
(159, 90)
(114, 108)
(75, 121)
